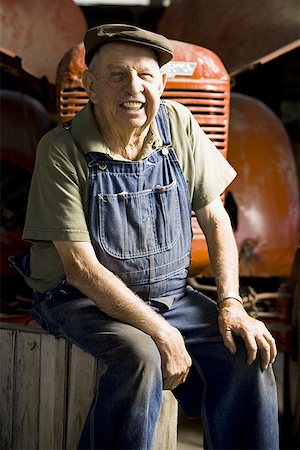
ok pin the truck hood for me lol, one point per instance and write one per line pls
(243, 33)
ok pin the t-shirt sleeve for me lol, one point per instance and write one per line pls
(213, 173)
(55, 208)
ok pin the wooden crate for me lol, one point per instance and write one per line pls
(47, 386)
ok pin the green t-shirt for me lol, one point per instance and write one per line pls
(58, 199)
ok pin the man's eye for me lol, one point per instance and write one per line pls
(117, 75)
(146, 76)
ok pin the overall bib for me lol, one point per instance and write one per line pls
(140, 227)
(140, 220)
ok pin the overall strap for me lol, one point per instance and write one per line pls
(163, 124)
(67, 125)
(94, 158)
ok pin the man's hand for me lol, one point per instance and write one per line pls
(175, 360)
(234, 320)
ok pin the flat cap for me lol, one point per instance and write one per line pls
(103, 34)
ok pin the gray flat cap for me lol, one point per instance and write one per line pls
(103, 34)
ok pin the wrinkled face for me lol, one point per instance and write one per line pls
(125, 85)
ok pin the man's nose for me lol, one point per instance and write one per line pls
(135, 84)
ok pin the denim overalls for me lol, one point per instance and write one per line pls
(140, 228)
(140, 219)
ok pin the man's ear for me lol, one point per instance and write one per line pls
(89, 85)
(163, 82)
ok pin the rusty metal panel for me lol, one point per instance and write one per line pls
(198, 79)
(71, 96)
(265, 191)
(40, 32)
(243, 33)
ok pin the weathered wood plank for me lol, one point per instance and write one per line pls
(49, 385)
(165, 436)
(26, 391)
(25, 328)
(7, 352)
(52, 392)
(81, 389)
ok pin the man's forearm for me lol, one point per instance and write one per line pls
(224, 258)
(108, 292)
(113, 297)
(222, 249)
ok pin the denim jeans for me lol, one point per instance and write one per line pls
(237, 402)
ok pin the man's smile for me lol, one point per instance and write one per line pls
(132, 105)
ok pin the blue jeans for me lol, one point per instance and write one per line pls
(237, 402)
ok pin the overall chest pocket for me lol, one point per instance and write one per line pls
(136, 224)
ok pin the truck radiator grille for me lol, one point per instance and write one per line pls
(71, 100)
(209, 107)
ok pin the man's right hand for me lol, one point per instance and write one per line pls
(175, 360)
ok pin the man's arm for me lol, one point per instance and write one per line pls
(233, 319)
(111, 295)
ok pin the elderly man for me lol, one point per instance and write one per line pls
(109, 215)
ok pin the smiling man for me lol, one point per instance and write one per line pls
(124, 115)
(109, 216)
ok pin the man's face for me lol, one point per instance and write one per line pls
(127, 87)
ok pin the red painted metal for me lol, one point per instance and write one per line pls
(243, 33)
(24, 120)
(265, 191)
(40, 32)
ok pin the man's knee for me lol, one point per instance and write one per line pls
(134, 357)
(140, 349)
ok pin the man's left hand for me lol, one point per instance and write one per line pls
(234, 321)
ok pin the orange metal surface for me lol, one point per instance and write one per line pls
(265, 191)
(40, 32)
(71, 97)
(196, 78)
(242, 32)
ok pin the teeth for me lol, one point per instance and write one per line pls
(132, 105)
